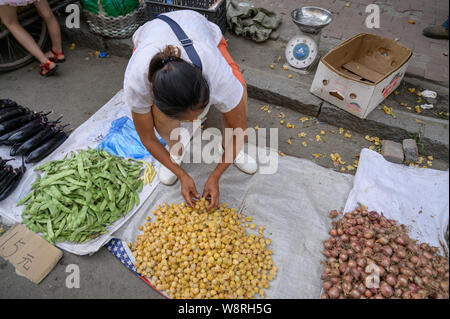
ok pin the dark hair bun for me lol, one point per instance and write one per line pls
(169, 54)
(178, 86)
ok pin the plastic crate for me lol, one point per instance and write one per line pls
(217, 14)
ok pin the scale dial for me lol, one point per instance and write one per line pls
(301, 51)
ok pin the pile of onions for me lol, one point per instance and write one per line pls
(371, 257)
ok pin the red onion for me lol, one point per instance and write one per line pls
(333, 293)
(427, 255)
(342, 268)
(351, 263)
(364, 213)
(424, 246)
(334, 253)
(361, 288)
(401, 252)
(343, 257)
(368, 293)
(355, 294)
(444, 285)
(373, 215)
(361, 262)
(351, 231)
(328, 245)
(412, 287)
(383, 240)
(348, 215)
(406, 295)
(334, 280)
(324, 295)
(400, 240)
(415, 260)
(368, 234)
(402, 281)
(340, 232)
(327, 285)
(356, 247)
(369, 243)
(334, 272)
(406, 271)
(395, 259)
(386, 250)
(367, 251)
(345, 238)
(418, 281)
(360, 221)
(386, 290)
(391, 280)
(333, 232)
(346, 287)
(385, 261)
(393, 269)
(347, 278)
(355, 272)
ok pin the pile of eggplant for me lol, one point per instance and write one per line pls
(30, 134)
(9, 177)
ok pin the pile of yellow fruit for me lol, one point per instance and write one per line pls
(199, 253)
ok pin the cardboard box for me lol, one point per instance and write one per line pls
(361, 72)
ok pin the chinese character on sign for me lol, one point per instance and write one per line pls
(26, 261)
(14, 249)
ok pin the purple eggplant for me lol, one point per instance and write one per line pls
(3, 162)
(45, 134)
(13, 113)
(12, 181)
(4, 103)
(46, 148)
(4, 172)
(34, 127)
(13, 124)
(13, 150)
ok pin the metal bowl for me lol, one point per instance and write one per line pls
(311, 19)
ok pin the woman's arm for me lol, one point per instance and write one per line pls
(145, 129)
(234, 119)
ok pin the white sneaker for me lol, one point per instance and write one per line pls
(244, 162)
(165, 175)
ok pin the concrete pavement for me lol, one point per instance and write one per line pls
(429, 60)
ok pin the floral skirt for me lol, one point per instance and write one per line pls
(16, 3)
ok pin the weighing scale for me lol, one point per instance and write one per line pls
(302, 51)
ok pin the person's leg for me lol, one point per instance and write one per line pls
(53, 27)
(8, 15)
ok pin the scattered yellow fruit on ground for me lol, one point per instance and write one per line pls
(285, 67)
(418, 109)
(302, 134)
(411, 90)
(290, 76)
(272, 66)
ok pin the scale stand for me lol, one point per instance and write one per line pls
(302, 51)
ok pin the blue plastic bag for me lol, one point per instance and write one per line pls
(123, 140)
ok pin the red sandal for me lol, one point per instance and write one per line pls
(45, 69)
(55, 58)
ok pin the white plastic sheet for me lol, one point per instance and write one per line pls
(86, 135)
(416, 197)
(293, 205)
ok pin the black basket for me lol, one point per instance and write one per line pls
(217, 15)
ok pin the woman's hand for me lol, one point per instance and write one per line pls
(212, 190)
(188, 189)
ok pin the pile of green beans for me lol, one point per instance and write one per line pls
(80, 196)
